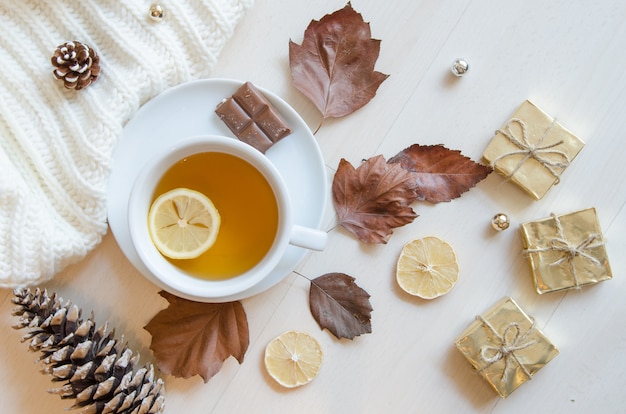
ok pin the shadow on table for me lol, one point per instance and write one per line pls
(468, 382)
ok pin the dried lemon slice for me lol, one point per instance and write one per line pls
(183, 223)
(293, 358)
(427, 268)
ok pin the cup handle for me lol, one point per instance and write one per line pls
(308, 238)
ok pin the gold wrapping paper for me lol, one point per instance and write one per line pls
(574, 258)
(505, 346)
(532, 150)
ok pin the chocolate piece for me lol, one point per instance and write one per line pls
(252, 118)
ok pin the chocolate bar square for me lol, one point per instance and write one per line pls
(252, 118)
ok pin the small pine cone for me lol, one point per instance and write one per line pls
(76, 64)
(96, 371)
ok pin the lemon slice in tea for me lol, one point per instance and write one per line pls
(427, 268)
(293, 358)
(183, 223)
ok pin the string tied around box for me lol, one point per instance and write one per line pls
(570, 250)
(537, 151)
(509, 342)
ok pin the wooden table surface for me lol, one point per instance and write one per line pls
(565, 55)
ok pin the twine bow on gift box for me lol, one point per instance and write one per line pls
(511, 341)
(536, 151)
(569, 250)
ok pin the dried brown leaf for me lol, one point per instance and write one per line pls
(192, 338)
(442, 174)
(340, 305)
(373, 199)
(334, 66)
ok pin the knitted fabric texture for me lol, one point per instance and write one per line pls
(56, 144)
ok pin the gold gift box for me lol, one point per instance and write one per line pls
(566, 251)
(505, 346)
(532, 150)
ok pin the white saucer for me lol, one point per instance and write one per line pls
(188, 110)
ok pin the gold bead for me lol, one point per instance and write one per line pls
(500, 222)
(156, 13)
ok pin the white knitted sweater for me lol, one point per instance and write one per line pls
(56, 144)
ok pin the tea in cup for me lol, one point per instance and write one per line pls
(254, 217)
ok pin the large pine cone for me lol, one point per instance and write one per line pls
(76, 64)
(98, 373)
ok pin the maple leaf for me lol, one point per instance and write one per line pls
(442, 174)
(340, 305)
(374, 198)
(334, 66)
(193, 338)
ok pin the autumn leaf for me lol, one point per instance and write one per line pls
(340, 305)
(192, 338)
(334, 66)
(442, 174)
(374, 198)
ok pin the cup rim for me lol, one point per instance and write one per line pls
(166, 274)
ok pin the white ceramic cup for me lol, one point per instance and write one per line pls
(176, 281)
